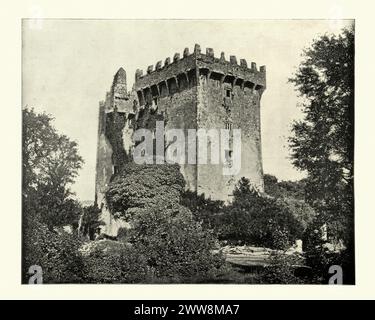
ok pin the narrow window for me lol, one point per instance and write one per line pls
(228, 158)
(227, 155)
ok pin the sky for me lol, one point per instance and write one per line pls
(68, 65)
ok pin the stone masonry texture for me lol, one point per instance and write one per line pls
(190, 91)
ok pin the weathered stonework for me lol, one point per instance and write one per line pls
(190, 92)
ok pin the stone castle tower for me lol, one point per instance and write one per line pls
(190, 92)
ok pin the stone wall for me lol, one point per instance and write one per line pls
(239, 111)
(191, 91)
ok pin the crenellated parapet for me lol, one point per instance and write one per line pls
(193, 89)
(176, 74)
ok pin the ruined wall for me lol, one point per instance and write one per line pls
(115, 115)
(104, 166)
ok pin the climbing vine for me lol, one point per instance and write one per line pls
(115, 123)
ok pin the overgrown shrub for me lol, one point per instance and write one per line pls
(90, 221)
(142, 186)
(257, 220)
(301, 211)
(319, 258)
(175, 245)
(56, 251)
(203, 209)
(284, 189)
(115, 262)
(281, 270)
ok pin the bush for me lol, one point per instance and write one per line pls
(257, 220)
(141, 186)
(292, 195)
(319, 258)
(115, 262)
(281, 270)
(284, 189)
(175, 245)
(301, 211)
(90, 221)
(204, 210)
(56, 251)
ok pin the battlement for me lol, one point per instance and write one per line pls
(191, 65)
(189, 90)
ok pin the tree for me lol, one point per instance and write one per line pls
(284, 189)
(257, 220)
(290, 194)
(322, 143)
(50, 164)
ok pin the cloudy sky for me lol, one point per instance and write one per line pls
(68, 65)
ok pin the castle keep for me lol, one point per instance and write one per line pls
(192, 91)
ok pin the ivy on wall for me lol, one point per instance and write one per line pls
(147, 118)
(115, 123)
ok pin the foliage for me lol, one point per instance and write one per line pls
(290, 194)
(115, 123)
(48, 157)
(316, 254)
(257, 220)
(204, 210)
(163, 231)
(115, 262)
(56, 209)
(322, 143)
(50, 163)
(56, 251)
(148, 116)
(284, 189)
(300, 210)
(123, 234)
(281, 269)
(144, 186)
(320, 258)
(176, 246)
(90, 221)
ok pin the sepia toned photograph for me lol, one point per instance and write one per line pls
(188, 151)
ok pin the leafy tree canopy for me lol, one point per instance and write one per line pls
(50, 165)
(322, 142)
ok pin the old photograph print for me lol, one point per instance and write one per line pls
(188, 151)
